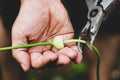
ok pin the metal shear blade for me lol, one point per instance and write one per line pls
(97, 10)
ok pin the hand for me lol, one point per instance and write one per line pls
(41, 21)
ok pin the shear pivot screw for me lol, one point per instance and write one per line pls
(93, 13)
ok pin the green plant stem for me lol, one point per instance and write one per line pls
(27, 45)
(65, 42)
(74, 40)
(98, 62)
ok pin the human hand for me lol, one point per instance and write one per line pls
(41, 21)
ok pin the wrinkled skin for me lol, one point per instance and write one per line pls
(41, 21)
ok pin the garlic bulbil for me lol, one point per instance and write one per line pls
(58, 42)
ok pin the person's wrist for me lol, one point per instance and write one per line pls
(37, 0)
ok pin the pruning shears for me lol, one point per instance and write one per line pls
(98, 10)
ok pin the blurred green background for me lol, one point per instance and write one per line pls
(69, 72)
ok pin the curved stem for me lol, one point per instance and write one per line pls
(65, 42)
(98, 62)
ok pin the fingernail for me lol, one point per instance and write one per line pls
(24, 67)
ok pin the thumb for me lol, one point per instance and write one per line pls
(20, 55)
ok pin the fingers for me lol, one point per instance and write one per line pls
(79, 55)
(69, 53)
(39, 60)
(21, 55)
(62, 57)
(23, 58)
